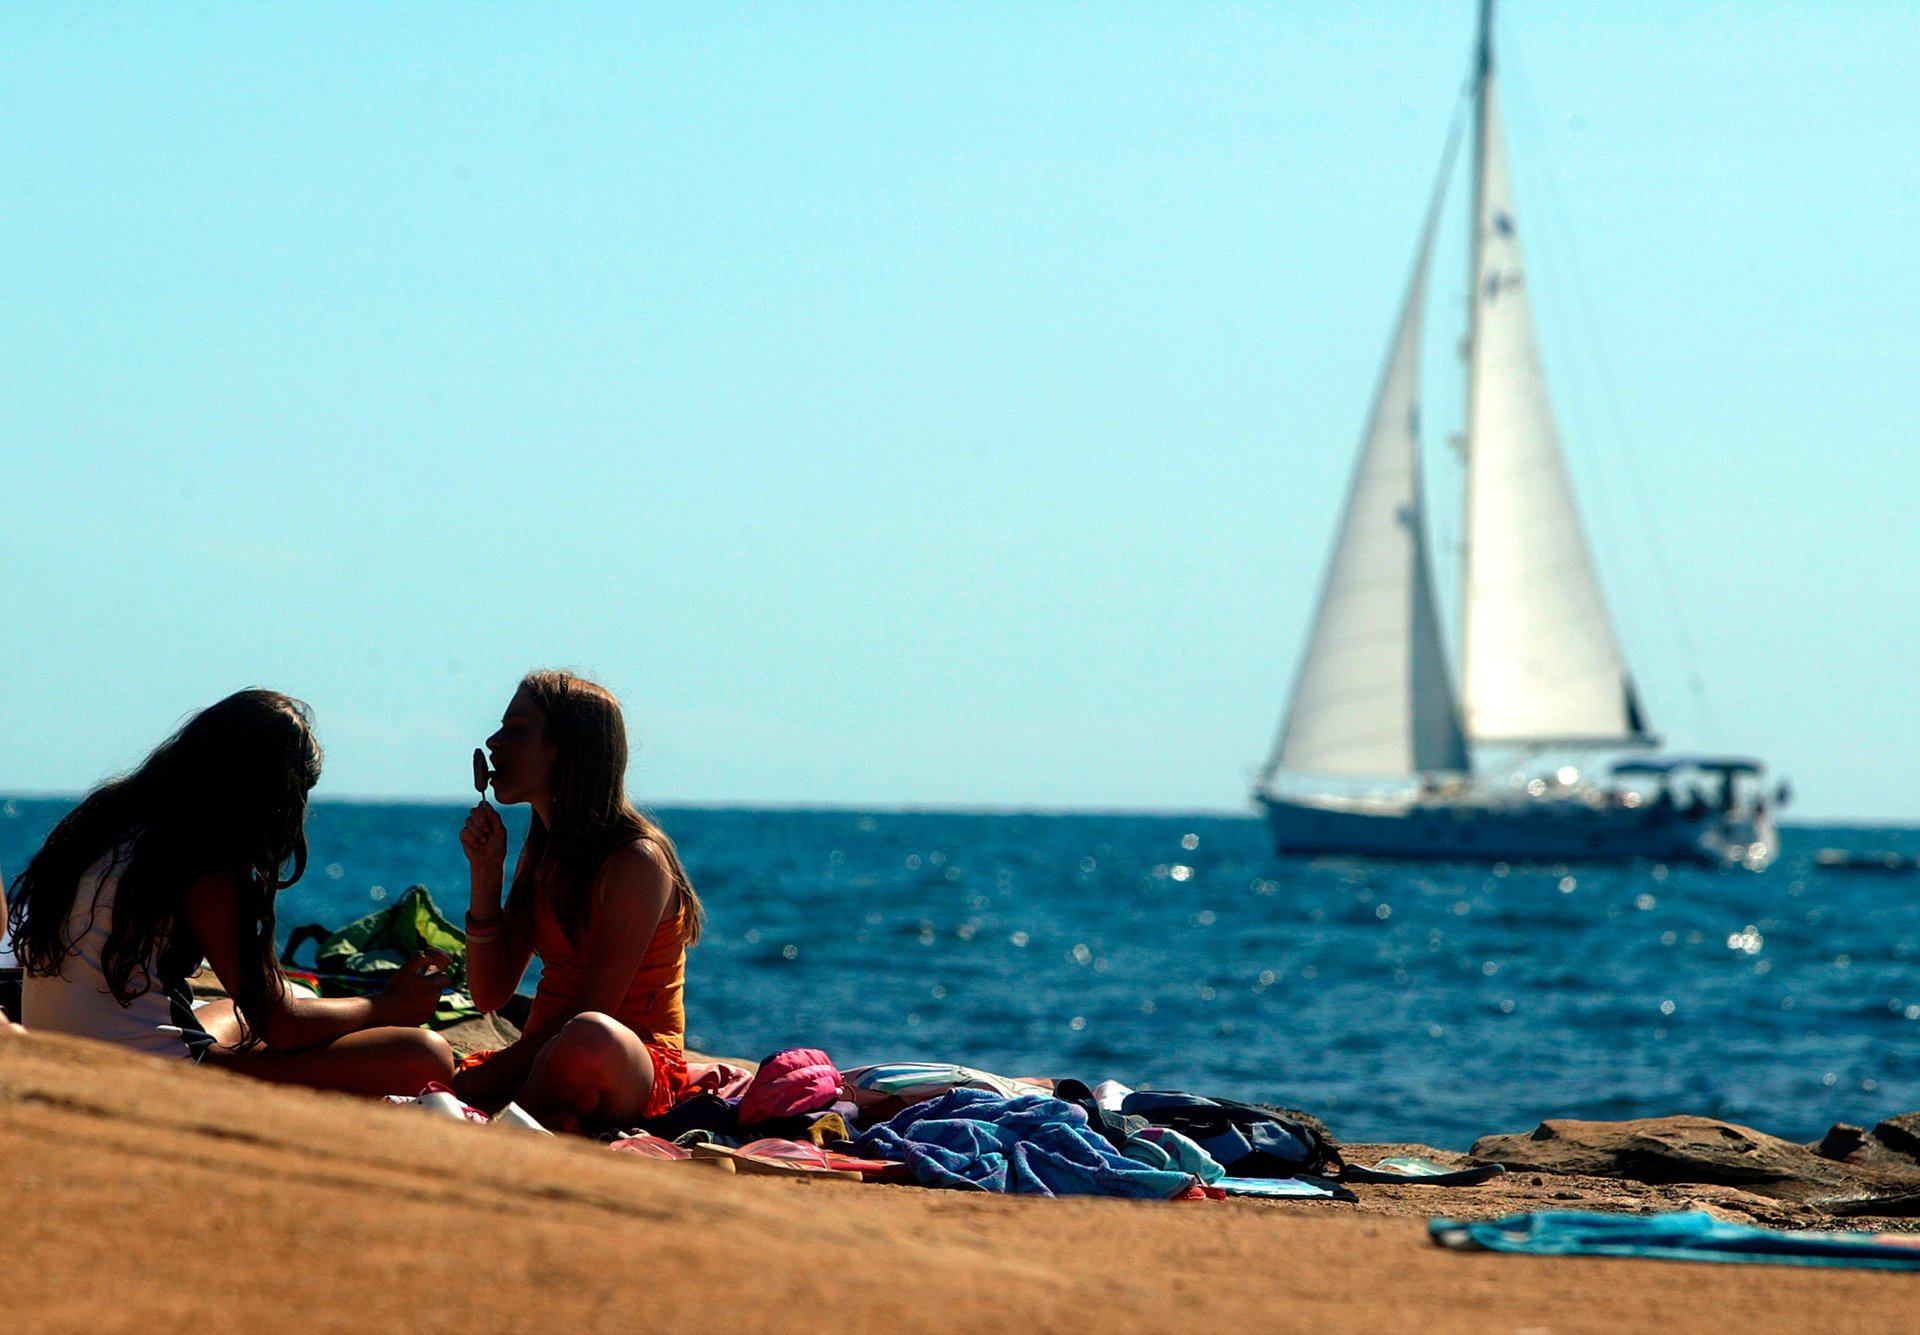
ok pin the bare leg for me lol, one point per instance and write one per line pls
(595, 1071)
(493, 1083)
(373, 1061)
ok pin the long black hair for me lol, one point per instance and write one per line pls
(227, 794)
(592, 815)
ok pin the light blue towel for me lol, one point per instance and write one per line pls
(1276, 1188)
(974, 1140)
(1691, 1235)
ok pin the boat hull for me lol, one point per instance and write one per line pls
(1552, 831)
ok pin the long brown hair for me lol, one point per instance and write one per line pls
(225, 794)
(592, 815)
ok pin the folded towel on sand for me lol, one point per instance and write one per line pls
(974, 1140)
(916, 1082)
(1691, 1235)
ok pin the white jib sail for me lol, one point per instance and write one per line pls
(1540, 662)
(1373, 698)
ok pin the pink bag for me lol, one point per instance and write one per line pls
(799, 1080)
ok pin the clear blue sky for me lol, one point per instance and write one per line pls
(904, 404)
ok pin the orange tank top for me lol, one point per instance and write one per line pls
(655, 1004)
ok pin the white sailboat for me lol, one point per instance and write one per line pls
(1541, 669)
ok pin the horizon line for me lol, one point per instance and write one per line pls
(938, 809)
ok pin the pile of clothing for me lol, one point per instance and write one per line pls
(958, 1127)
(932, 1123)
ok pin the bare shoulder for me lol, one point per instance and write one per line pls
(637, 865)
(641, 854)
(220, 888)
(214, 905)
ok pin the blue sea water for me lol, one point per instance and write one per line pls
(1431, 1002)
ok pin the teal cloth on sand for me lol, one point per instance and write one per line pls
(355, 960)
(1689, 1235)
(1413, 1166)
(1275, 1188)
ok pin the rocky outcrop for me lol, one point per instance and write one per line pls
(1707, 1151)
(1901, 1136)
(1657, 1149)
(1891, 1149)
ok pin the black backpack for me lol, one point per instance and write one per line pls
(1247, 1139)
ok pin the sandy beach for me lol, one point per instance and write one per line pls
(1151, 611)
(148, 1195)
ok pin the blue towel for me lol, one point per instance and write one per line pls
(975, 1140)
(1691, 1235)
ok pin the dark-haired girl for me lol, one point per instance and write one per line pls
(599, 895)
(180, 860)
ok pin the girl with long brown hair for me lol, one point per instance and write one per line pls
(180, 860)
(599, 895)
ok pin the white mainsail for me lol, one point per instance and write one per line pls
(1540, 663)
(1373, 698)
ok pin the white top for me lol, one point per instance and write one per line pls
(7, 961)
(79, 1000)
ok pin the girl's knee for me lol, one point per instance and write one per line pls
(592, 1037)
(430, 1054)
(591, 1050)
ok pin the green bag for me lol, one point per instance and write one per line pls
(356, 959)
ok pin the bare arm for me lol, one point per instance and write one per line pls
(212, 907)
(497, 957)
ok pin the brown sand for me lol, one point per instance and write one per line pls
(147, 1195)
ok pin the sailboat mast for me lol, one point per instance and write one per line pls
(1482, 70)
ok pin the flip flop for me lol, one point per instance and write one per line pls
(810, 1155)
(755, 1166)
(652, 1147)
(655, 1149)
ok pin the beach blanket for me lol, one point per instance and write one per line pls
(975, 1140)
(1690, 1235)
